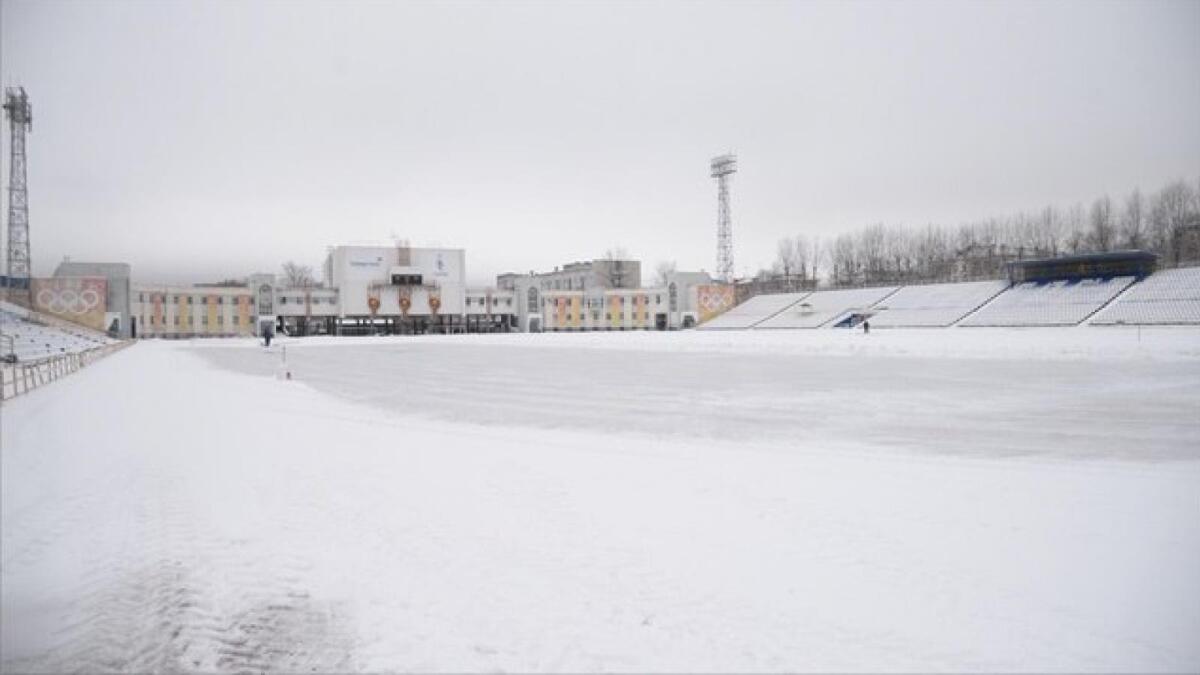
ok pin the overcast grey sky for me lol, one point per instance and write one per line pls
(210, 139)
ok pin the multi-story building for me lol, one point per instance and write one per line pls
(399, 289)
(192, 311)
(489, 310)
(591, 277)
(579, 276)
(670, 306)
(306, 310)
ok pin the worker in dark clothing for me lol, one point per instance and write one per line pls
(267, 335)
(866, 327)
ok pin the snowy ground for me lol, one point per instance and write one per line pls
(979, 499)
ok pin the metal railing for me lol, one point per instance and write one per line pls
(21, 378)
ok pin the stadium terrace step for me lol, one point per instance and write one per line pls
(1053, 303)
(1169, 297)
(933, 305)
(822, 307)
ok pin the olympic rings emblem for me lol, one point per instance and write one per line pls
(714, 300)
(68, 300)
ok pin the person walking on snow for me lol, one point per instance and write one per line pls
(866, 327)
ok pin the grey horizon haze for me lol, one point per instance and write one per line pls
(203, 140)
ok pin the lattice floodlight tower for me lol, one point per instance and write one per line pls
(20, 120)
(722, 168)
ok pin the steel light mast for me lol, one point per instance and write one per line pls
(722, 168)
(20, 120)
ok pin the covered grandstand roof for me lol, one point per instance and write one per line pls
(1081, 266)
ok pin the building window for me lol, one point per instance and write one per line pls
(283, 299)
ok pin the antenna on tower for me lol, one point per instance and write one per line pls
(20, 120)
(722, 168)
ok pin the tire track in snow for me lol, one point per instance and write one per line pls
(155, 612)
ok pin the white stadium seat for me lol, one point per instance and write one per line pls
(824, 306)
(32, 340)
(753, 311)
(1053, 303)
(933, 305)
(1163, 298)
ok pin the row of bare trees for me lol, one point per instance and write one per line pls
(1166, 222)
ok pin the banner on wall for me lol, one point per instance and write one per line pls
(82, 300)
(714, 300)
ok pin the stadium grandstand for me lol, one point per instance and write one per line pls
(1113, 288)
(823, 307)
(1063, 291)
(29, 336)
(1049, 303)
(933, 305)
(36, 349)
(754, 311)
(1169, 297)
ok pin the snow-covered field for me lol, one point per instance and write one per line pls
(961, 499)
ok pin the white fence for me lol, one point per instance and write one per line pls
(19, 378)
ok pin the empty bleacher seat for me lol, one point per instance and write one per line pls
(933, 305)
(31, 340)
(1163, 298)
(1052, 303)
(822, 307)
(753, 311)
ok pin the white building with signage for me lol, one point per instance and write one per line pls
(398, 288)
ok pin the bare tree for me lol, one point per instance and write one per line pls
(816, 258)
(296, 275)
(1172, 221)
(615, 253)
(1167, 222)
(1101, 230)
(1073, 226)
(1133, 221)
(1049, 231)
(844, 260)
(793, 260)
(663, 271)
(871, 252)
(614, 270)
